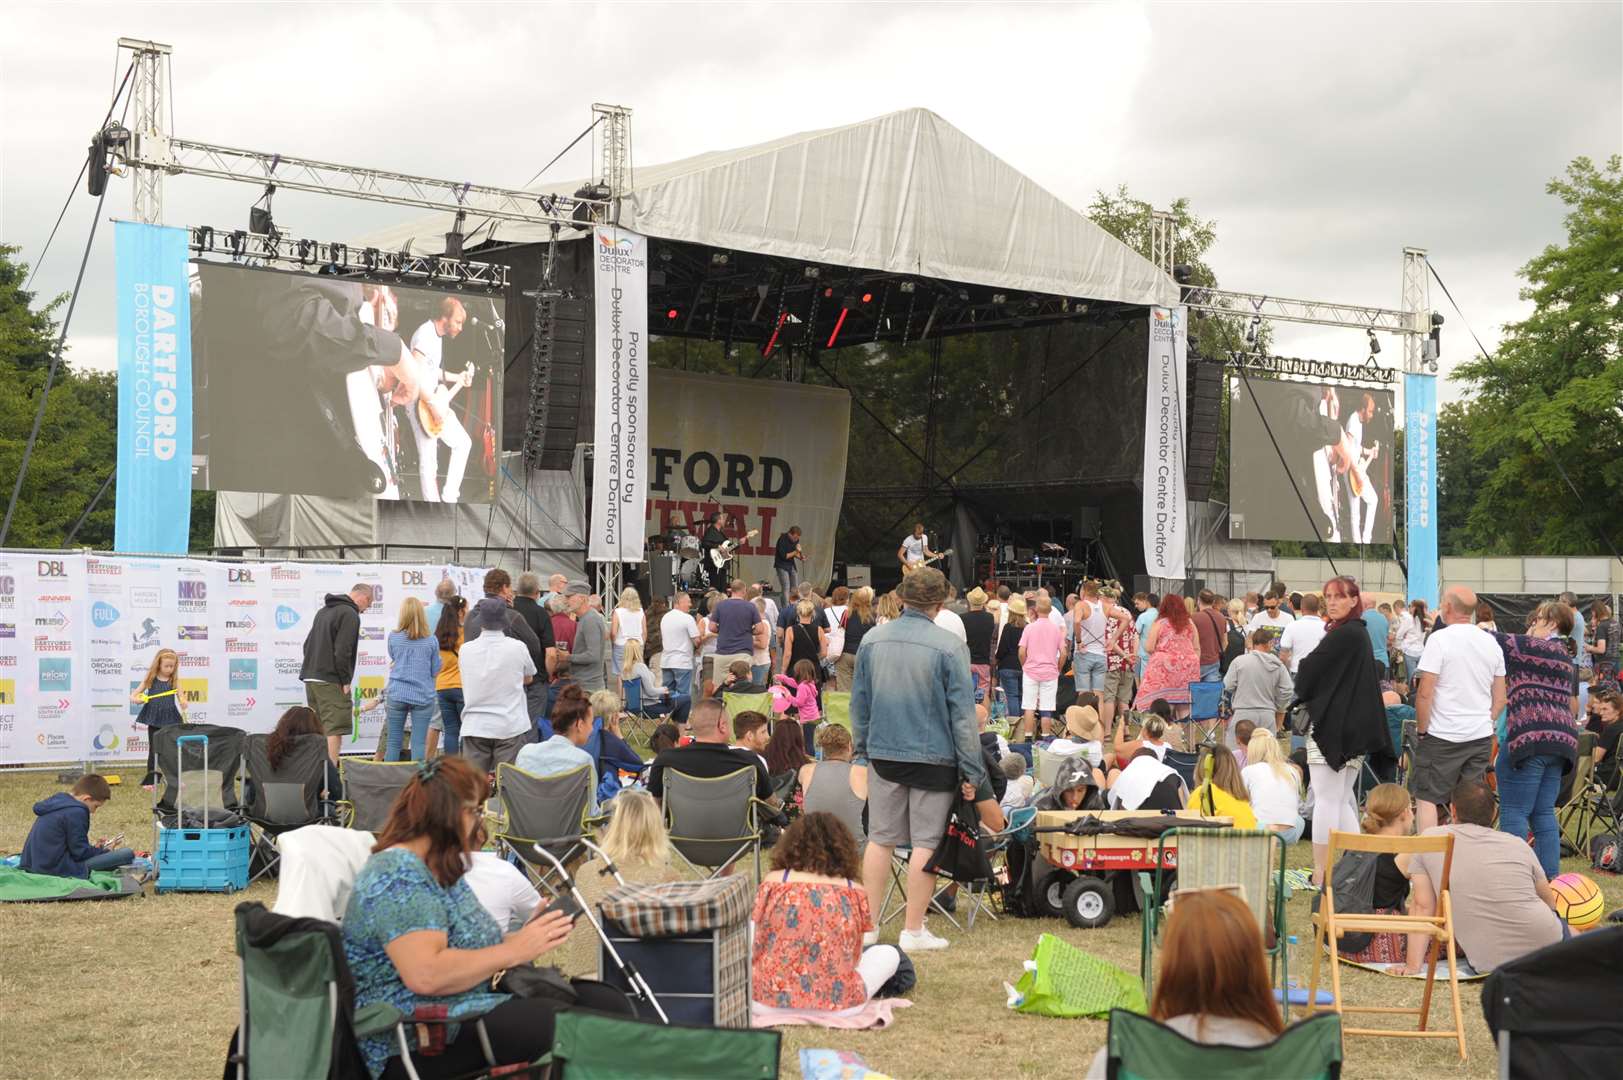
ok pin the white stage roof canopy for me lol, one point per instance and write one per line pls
(904, 193)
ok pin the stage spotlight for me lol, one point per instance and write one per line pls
(306, 249)
(908, 287)
(259, 215)
(337, 254)
(239, 243)
(1000, 298)
(813, 273)
(1374, 343)
(369, 259)
(203, 238)
(548, 203)
(1433, 348)
(718, 258)
(1182, 273)
(867, 298)
(1251, 330)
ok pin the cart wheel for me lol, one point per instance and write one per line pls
(1051, 893)
(1089, 903)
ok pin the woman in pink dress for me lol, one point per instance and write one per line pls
(1174, 658)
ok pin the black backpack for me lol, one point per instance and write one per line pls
(1354, 883)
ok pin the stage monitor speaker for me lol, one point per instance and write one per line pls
(557, 381)
(1205, 413)
(858, 575)
(662, 575)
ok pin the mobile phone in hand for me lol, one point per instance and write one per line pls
(565, 904)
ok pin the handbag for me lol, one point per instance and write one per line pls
(959, 855)
(834, 639)
(1297, 718)
(537, 983)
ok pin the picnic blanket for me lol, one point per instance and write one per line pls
(20, 885)
(876, 1013)
(1467, 972)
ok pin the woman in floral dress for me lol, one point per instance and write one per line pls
(810, 916)
(1174, 658)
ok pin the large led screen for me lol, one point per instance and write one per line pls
(1334, 456)
(320, 385)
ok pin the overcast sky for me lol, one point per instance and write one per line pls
(1322, 138)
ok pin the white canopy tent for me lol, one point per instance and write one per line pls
(903, 193)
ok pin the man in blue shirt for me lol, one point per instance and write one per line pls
(913, 725)
(1378, 627)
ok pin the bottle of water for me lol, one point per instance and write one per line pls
(1293, 955)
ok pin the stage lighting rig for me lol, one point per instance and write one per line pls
(1252, 328)
(1374, 343)
(259, 215)
(1431, 350)
(306, 250)
(369, 259)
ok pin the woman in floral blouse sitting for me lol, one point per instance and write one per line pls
(415, 934)
(810, 915)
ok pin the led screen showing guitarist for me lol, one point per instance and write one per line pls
(318, 384)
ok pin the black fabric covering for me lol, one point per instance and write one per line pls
(225, 748)
(1339, 683)
(1560, 1006)
(304, 763)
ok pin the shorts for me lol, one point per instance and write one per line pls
(720, 662)
(1119, 687)
(906, 817)
(485, 754)
(332, 707)
(1440, 764)
(1038, 694)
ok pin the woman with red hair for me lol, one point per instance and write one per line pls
(1174, 662)
(1338, 683)
(1213, 983)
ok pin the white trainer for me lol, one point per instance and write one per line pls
(921, 940)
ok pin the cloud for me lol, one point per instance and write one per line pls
(1323, 138)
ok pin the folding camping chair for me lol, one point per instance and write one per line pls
(370, 789)
(1329, 925)
(280, 800)
(1137, 1046)
(1590, 803)
(1252, 859)
(1545, 1020)
(215, 765)
(543, 807)
(1183, 763)
(1017, 829)
(737, 703)
(641, 721)
(898, 888)
(591, 1046)
(713, 822)
(837, 708)
(1205, 713)
(297, 1011)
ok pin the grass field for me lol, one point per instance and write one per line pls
(147, 987)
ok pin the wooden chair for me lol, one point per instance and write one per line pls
(1329, 925)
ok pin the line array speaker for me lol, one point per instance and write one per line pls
(557, 378)
(1205, 399)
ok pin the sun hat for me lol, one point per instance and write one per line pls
(924, 587)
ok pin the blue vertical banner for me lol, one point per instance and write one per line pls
(1420, 484)
(154, 509)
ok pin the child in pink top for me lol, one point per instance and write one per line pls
(800, 692)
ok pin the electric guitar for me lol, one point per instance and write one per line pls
(433, 406)
(724, 551)
(908, 568)
(1357, 474)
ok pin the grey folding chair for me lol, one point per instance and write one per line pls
(370, 789)
(713, 822)
(287, 798)
(537, 808)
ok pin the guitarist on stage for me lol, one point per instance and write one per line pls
(715, 536)
(915, 550)
(427, 344)
(786, 559)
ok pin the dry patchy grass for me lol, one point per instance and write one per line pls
(147, 987)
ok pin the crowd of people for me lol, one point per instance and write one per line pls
(947, 699)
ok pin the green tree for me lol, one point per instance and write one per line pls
(1552, 399)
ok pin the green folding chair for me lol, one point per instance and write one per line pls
(1252, 859)
(737, 703)
(837, 708)
(370, 789)
(592, 1046)
(1138, 1048)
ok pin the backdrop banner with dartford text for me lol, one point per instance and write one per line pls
(773, 457)
(1165, 518)
(78, 632)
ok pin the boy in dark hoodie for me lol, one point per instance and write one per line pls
(59, 843)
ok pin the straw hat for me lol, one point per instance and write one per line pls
(976, 597)
(1082, 722)
(1016, 605)
(924, 587)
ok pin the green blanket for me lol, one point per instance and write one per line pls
(101, 885)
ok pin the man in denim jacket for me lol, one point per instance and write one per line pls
(913, 724)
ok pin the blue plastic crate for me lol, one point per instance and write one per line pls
(203, 860)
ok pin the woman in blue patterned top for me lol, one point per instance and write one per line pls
(1539, 743)
(414, 660)
(415, 934)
